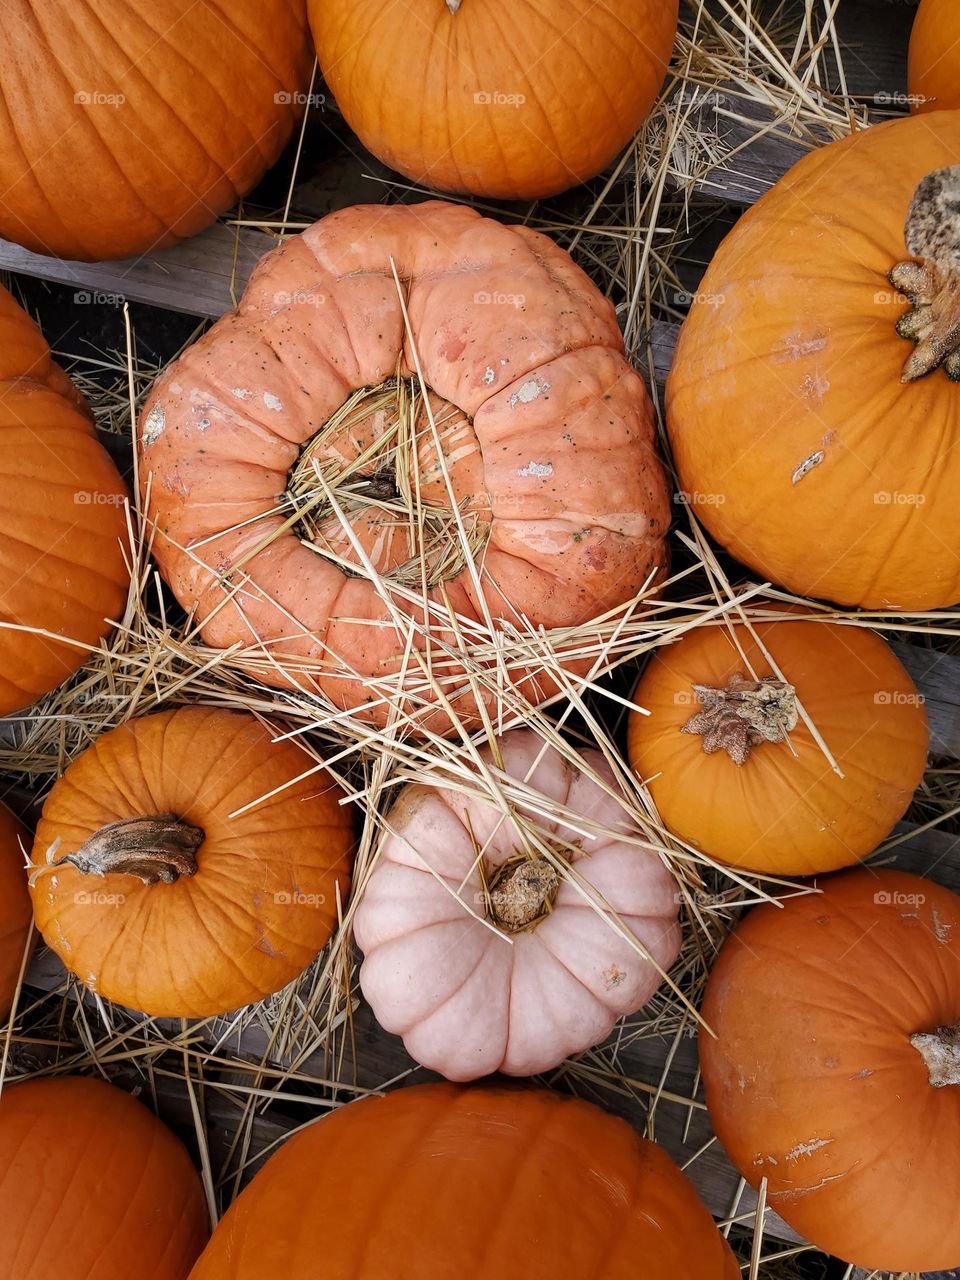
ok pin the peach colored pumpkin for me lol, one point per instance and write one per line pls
(547, 431)
(554, 974)
(734, 771)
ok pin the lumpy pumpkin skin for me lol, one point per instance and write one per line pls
(130, 126)
(794, 437)
(63, 527)
(16, 914)
(812, 1079)
(934, 69)
(93, 1187)
(439, 1182)
(784, 810)
(263, 900)
(498, 98)
(512, 336)
(470, 999)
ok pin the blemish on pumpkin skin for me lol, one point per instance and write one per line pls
(807, 1148)
(489, 376)
(153, 427)
(613, 977)
(542, 470)
(795, 347)
(862, 1075)
(241, 393)
(806, 466)
(274, 403)
(528, 392)
(941, 928)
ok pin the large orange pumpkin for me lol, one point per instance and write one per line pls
(437, 1182)
(129, 126)
(934, 75)
(162, 884)
(305, 396)
(62, 523)
(811, 438)
(834, 1071)
(495, 100)
(93, 1187)
(16, 915)
(736, 772)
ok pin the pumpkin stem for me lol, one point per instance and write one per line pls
(741, 716)
(941, 1052)
(155, 849)
(522, 893)
(932, 284)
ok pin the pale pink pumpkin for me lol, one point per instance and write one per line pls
(484, 963)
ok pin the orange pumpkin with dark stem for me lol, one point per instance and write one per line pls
(164, 883)
(523, 492)
(62, 524)
(481, 111)
(129, 126)
(16, 914)
(934, 74)
(834, 1070)
(813, 406)
(736, 772)
(93, 1187)
(436, 1182)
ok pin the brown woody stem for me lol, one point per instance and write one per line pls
(940, 1050)
(745, 713)
(522, 893)
(932, 284)
(156, 849)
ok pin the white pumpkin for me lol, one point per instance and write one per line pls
(552, 961)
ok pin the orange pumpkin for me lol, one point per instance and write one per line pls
(934, 74)
(159, 880)
(834, 1071)
(493, 101)
(811, 438)
(735, 772)
(93, 1187)
(62, 523)
(16, 916)
(436, 1181)
(127, 128)
(305, 397)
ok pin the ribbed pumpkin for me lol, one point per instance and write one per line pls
(480, 950)
(813, 440)
(549, 502)
(934, 75)
(736, 772)
(496, 99)
(62, 523)
(160, 881)
(130, 126)
(835, 1071)
(93, 1187)
(436, 1182)
(16, 915)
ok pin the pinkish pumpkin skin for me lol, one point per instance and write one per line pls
(552, 442)
(469, 1000)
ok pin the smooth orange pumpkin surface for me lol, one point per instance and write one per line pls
(547, 508)
(934, 72)
(16, 914)
(795, 439)
(62, 524)
(93, 1187)
(129, 126)
(442, 1183)
(734, 768)
(162, 884)
(498, 98)
(835, 1071)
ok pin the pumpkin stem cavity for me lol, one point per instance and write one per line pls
(158, 849)
(932, 284)
(940, 1050)
(376, 459)
(742, 715)
(522, 892)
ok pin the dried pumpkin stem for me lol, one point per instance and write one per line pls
(522, 893)
(745, 713)
(932, 284)
(155, 849)
(940, 1050)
